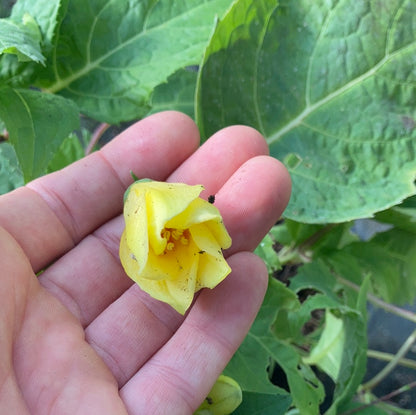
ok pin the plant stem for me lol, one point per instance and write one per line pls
(387, 357)
(313, 239)
(392, 364)
(408, 315)
(97, 134)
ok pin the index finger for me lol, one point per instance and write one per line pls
(53, 213)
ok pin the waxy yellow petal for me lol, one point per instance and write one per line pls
(136, 230)
(213, 267)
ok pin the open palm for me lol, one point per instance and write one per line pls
(81, 338)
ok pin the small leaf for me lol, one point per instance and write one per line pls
(37, 124)
(70, 150)
(48, 15)
(341, 348)
(21, 39)
(327, 354)
(267, 253)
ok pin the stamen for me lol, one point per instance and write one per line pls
(173, 235)
(176, 234)
(166, 234)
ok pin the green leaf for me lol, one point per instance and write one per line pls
(263, 404)
(354, 356)
(331, 86)
(365, 410)
(327, 354)
(389, 258)
(402, 216)
(70, 150)
(176, 94)
(21, 39)
(342, 345)
(267, 253)
(248, 365)
(48, 15)
(111, 55)
(10, 175)
(37, 124)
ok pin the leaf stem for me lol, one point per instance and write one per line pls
(97, 134)
(392, 364)
(408, 315)
(299, 254)
(387, 357)
(313, 239)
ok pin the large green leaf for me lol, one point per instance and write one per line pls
(331, 84)
(111, 55)
(37, 124)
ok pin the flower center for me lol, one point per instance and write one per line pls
(174, 237)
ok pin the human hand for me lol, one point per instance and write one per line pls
(81, 338)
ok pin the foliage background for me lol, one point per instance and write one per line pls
(330, 84)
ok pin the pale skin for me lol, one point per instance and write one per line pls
(81, 338)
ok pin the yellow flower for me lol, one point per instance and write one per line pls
(171, 245)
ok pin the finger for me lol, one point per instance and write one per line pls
(13, 293)
(219, 157)
(89, 267)
(51, 214)
(180, 375)
(252, 201)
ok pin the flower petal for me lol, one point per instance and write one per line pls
(135, 234)
(129, 261)
(172, 278)
(213, 268)
(199, 211)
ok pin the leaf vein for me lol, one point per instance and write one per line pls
(62, 83)
(335, 94)
(256, 69)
